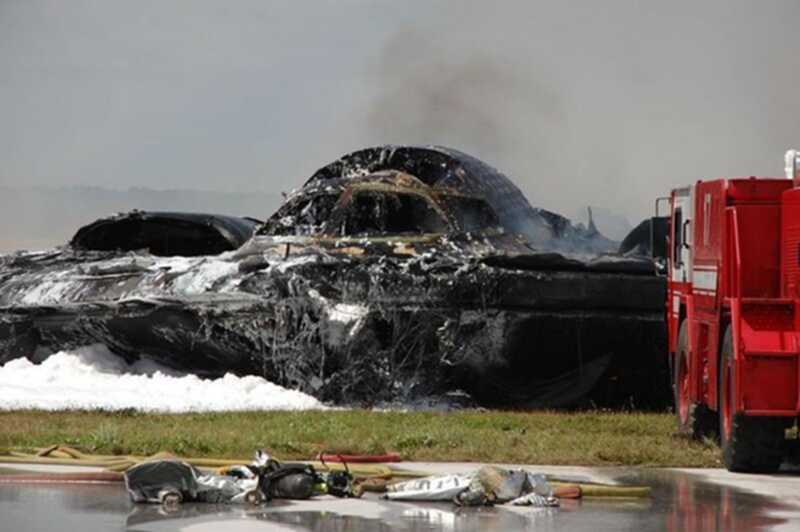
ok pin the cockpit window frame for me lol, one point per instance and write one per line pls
(349, 195)
(439, 201)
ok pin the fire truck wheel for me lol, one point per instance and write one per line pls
(749, 444)
(694, 419)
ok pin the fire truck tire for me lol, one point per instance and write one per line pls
(749, 444)
(694, 419)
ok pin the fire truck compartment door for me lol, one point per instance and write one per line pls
(681, 238)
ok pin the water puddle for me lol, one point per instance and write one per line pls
(679, 502)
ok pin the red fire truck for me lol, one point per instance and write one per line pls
(733, 313)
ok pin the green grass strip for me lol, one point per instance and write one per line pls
(583, 438)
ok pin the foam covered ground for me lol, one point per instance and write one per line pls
(92, 377)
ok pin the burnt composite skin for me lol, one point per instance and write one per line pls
(393, 274)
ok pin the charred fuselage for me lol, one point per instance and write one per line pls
(394, 273)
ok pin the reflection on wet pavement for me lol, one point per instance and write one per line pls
(679, 502)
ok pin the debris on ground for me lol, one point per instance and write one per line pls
(171, 480)
(487, 486)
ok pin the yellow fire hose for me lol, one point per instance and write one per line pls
(604, 490)
(63, 455)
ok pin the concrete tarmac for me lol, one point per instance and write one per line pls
(682, 499)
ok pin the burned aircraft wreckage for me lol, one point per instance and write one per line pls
(394, 273)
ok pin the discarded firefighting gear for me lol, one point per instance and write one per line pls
(172, 482)
(488, 485)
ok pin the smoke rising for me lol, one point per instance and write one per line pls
(607, 104)
(469, 101)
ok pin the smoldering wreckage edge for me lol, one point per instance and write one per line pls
(395, 274)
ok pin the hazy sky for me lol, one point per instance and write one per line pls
(583, 102)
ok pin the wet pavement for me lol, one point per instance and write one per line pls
(680, 501)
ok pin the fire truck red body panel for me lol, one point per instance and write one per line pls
(734, 259)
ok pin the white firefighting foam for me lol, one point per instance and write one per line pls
(93, 378)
